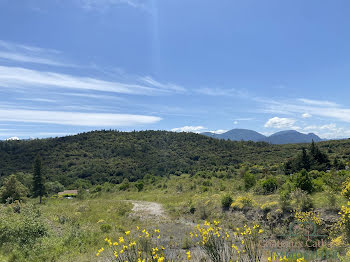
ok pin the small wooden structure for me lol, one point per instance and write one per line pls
(68, 193)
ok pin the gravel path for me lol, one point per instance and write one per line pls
(148, 210)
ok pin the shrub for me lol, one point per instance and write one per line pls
(285, 200)
(242, 244)
(301, 200)
(303, 181)
(267, 186)
(346, 189)
(268, 206)
(226, 201)
(270, 185)
(139, 186)
(53, 187)
(22, 229)
(139, 245)
(249, 180)
(319, 185)
(243, 202)
(12, 190)
(106, 228)
(342, 227)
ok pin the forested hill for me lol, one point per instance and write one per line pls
(102, 156)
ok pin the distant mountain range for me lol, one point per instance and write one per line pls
(282, 137)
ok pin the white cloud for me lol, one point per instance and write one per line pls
(221, 92)
(277, 122)
(339, 113)
(306, 115)
(322, 127)
(317, 102)
(194, 129)
(245, 119)
(219, 131)
(169, 86)
(45, 100)
(235, 122)
(104, 4)
(13, 46)
(20, 77)
(30, 54)
(93, 96)
(330, 131)
(76, 118)
(12, 138)
(30, 59)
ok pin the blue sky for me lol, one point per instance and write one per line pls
(80, 65)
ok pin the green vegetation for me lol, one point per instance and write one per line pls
(12, 190)
(195, 178)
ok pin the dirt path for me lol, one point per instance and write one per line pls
(148, 210)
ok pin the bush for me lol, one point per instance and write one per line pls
(22, 229)
(53, 188)
(243, 202)
(12, 190)
(139, 186)
(249, 180)
(285, 200)
(267, 186)
(226, 201)
(105, 228)
(268, 206)
(303, 181)
(346, 189)
(302, 200)
(270, 185)
(319, 185)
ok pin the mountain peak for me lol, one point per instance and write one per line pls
(281, 137)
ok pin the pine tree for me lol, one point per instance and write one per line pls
(38, 180)
(305, 160)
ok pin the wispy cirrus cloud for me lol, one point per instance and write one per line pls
(317, 102)
(76, 118)
(105, 4)
(29, 54)
(168, 86)
(212, 91)
(13, 77)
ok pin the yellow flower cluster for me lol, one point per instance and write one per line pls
(242, 202)
(308, 217)
(345, 214)
(211, 237)
(131, 247)
(343, 224)
(346, 189)
(284, 259)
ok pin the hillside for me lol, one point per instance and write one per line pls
(112, 156)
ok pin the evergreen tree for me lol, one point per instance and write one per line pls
(313, 148)
(38, 180)
(305, 160)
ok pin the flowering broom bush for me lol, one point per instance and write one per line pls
(234, 245)
(135, 246)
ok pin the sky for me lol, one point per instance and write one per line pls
(68, 67)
